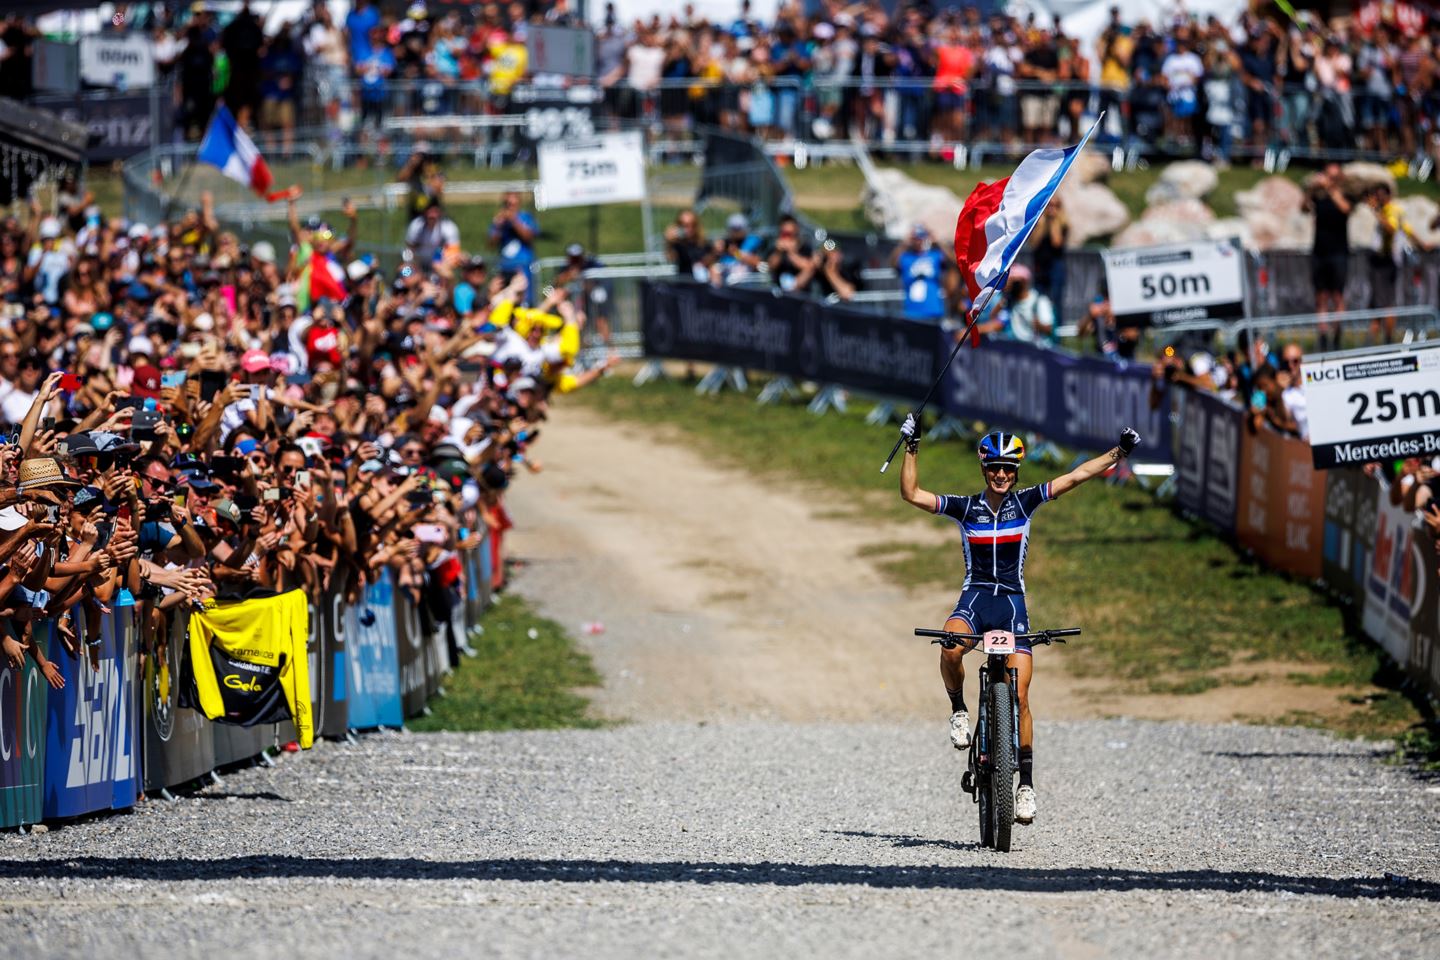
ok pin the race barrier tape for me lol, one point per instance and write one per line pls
(1338, 527)
(117, 727)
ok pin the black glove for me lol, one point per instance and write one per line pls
(1129, 440)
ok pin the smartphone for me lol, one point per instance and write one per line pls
(180, 499)
(130, 403)
(70, 383)
(144, 424)
(429, 533)
(106, 529)
(47, 425)
(52, 513)
(190, 349)
(227, 466)
(272, 495)
(1257, 400)
(256, 391)
(211, 382)
(302, 478)
(174, 378)
(418, 498)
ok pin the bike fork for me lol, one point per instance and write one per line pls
(1014, 714)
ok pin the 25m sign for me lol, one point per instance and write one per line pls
(1367, 407)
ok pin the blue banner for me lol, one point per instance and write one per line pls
(1207, 457)
(92, 757)
(1078, 402)
(371, 646)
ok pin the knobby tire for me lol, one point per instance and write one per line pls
(1002, 764)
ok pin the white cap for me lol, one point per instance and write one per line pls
(11, 519)
(141, 345)
(522, 383)
(139, 230)
(204, 323)
(357, 270)
(439, 414)
(264, 251)
(49, 228)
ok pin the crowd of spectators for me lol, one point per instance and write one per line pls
(918, 74)
(185, 415)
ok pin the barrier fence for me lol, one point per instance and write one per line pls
(1335, 526)
(118, 728)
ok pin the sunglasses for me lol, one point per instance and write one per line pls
(1001, 468)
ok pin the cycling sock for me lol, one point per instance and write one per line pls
(1027, 766)
(957, 700)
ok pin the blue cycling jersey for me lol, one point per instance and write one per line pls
(995, 541)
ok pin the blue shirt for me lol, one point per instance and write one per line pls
(514, 250)
(359, 24)
(995, 542)
(464, 297)
(920, 280)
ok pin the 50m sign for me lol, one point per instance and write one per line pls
(1365, 407)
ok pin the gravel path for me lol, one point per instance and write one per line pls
(750, 839)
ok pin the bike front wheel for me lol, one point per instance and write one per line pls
(1002, 765)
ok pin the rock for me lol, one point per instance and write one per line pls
(1091, 166)
(1188, 179)
(1270, 231)
(896, 202)
(1092, 210)
(39, 828)
(1153, 233)
(1185, 211)
(1360, 177)
(1420, 213)
(1274, 195)
(1230, 228)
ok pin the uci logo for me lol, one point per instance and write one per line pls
(235, 682)
(1322, 373)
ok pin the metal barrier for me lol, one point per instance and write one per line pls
(1356, 328)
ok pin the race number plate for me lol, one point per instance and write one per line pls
(998, 641)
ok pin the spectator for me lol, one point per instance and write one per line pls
(737, 253)
(1182, 71)
(922, 267)
(1267, 403)
(513, 232)
(685, 246)
(791, 260)
(835, 277)
(1047, 248)
(1031, 314)
(431, 235)
(1396, 241)
(281, 69)
(1292, 392)
(1330, 253)
(1039, 106)
(954, 65)
(243, 41)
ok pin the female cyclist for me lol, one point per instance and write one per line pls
(995, 525)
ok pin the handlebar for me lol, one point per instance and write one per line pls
(969, 640)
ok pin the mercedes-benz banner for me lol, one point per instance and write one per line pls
(1366, 406)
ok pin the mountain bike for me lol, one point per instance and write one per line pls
(995, 748)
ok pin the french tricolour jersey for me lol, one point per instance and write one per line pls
(995, 542)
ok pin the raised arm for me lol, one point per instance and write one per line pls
(1091, 469)
(910, 490)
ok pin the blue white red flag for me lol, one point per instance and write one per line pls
(228, 147)
(997, 218)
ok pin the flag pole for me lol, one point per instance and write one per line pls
(979, 307)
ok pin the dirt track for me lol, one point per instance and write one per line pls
(724, 596)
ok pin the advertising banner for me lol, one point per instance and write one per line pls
(92, 742)
(1191, 281)
(1425, 622)
(179, 746)
(239, 744)
(1282, 503)
(577, 173)
(568, 51)
(797, 337)
(1349, 532)
(23, 698)
(1080, 402)
(120, 125)
(411, 645)
(1373, 406)
(125, 61)
(1393, 586)
(372, 647)
(335, 689)
(1208, 465)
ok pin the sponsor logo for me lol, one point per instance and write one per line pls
(235, 682)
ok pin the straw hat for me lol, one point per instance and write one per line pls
(41, 472)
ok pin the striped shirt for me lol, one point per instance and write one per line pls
(995, 541)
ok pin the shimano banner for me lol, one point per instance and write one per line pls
(1207, 461)
(334, 688)
(23, 698)
(179, 745)
(1080, 402)
(796, 337)
(92, 753)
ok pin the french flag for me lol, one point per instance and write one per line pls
(228, 147)
(997, 218)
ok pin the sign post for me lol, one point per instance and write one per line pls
(1368, 405)
(1173, 284)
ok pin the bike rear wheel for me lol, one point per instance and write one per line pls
(982, 796)
(1002, 766)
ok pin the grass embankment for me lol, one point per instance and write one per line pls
(516, 681)
(1168, 608)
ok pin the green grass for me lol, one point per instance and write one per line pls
(516, 682)
(1163, 602)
